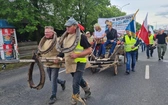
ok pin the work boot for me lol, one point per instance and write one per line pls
(76, 98)
(52, 99)
(87, 91)
(63, 85)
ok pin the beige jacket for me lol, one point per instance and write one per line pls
(52, 54)
(70, 65)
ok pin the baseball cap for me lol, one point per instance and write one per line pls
(87, 32)
(71, 21)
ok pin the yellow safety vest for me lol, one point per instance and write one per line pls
(151, 41)
(79, 49)
(129, 42)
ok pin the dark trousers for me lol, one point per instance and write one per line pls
(149, 51)
(143, 46)
(99, 48)
(78, 78)
(53, 76)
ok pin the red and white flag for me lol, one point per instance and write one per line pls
(144, 31)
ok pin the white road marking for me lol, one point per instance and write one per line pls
(165, 60)
(147, 72)
(62, 71)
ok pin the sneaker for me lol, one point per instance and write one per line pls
(147, 57)
(162, 57)
(127, 72)
(133, 70)
(52, 99)
(63, 85)
(159, 59)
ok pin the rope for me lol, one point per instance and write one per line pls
(53, 44)
(59, 45)
(42, 73)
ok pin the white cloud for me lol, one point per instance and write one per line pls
(163, 14)
(164, 5)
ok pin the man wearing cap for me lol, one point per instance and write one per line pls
(161, 43)
(52, 68)
(75, 60)
(89, 37)
(150, 46)
(111, 35)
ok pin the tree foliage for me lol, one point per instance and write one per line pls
(138, 26)
(30, 16)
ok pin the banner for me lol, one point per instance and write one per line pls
(119, 23)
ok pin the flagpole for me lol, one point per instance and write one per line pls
(135, 14)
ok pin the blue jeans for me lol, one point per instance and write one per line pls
(99, 50)
(53, 77)
(78, 78)
(131, 57)
(112, 47)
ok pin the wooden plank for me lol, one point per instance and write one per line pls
(107, 66)
(28, 60)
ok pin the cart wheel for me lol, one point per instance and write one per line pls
(93, 70)
(115, 70)
(97, 70)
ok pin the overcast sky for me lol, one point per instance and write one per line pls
(157, 10)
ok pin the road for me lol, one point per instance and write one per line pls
(146, 86)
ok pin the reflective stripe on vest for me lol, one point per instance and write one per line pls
(151, 39)
(79, 49)
(129, 42)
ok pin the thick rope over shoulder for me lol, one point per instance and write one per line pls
(42, 73)
(59, 45)
(54, 42)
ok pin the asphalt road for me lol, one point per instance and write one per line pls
(146, 86)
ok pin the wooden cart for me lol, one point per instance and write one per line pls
(99, 65)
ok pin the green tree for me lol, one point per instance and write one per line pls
(27, 16)
(30, 16)
(138, 26)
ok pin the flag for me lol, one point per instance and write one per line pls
(151, 30)
(131, 26)
(82, 28)
(144, 31)
(137, 33)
